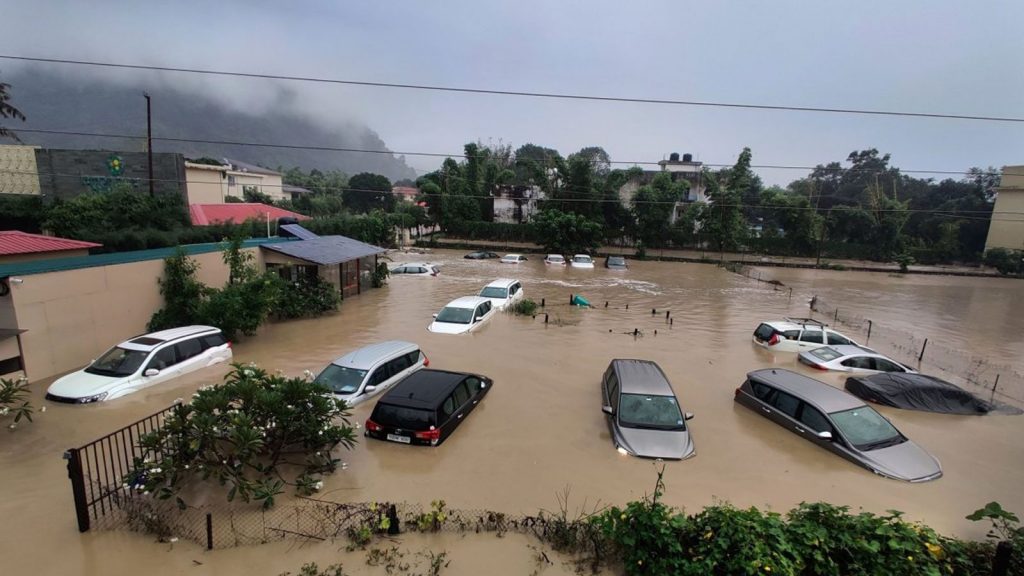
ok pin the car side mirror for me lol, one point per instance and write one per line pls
(688, 416)
(150, 372)
(435, 316)
(370, 388)
(608, 410)
(825, 435)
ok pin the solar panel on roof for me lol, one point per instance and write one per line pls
(298, 231)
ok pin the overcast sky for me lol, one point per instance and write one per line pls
(924, 56)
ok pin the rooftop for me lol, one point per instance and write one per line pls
(326, 250)
(423, 388)
(237, 212)
(825, 397)
(368, 356)
(240, 166)
(17, 242)
(642, 377)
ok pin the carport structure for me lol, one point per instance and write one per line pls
(346, 263)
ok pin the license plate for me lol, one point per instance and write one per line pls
(397, 438)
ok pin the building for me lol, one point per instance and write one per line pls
(684, 168)
(210, 183)
(18, 173)
(17, 246)
(238, 213)
(405, 193)
(516, 204)
(343, 262)
(1007, 227)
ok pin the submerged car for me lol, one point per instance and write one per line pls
(426, 407)
(503, 292)
(921, 392)
(582, 261)
(797, 334)
(851, 359)
(481, 255)
(513, 259)
(615, 263)
(838, 422)
(462, 315)
(362, 374)
(555, 259)
(142, 362)
(415, 269)
(643, 413)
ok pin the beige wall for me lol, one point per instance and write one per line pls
(10, 258)
(72, 316)
(266, 183)
(18, 171)
(204, 186)
(1007, 228)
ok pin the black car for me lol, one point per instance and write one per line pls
(426, 407)
(615, 263)
(480, 256)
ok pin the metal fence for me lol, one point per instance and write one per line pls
(97, 470)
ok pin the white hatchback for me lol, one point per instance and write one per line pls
(370, 370)
(582, 261)
(503, 292)
(555, 260)
(463, 315)
(142, 362)
(415, 269)
(513, 259)
(797, 335)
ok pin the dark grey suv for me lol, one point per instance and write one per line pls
(643, 413)
(838, 422)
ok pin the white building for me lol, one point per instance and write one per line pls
(516, 204)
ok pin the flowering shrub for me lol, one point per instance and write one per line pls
(253, 434)
(14, 400)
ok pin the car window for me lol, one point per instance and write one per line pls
(399, 270)
(413, 357)
(455, 315)
(827, 354)
(887, 366)
(613, 390)
(836, 338)
(811, 336)
(399, 364)
(164, 358)
(651, 411)
(785, 403)
(461, 394)
(761, 391)
(472, 386)
(421, 270)
(448, 407)
(213, 340)
(814, 419)
(402, 417)
(791, 334)
(341, 379)
(188, 349)
(379, 376)
(862, 362)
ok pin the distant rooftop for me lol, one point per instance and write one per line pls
(246, 167)
(237, 212)
(17, 242)
(289, 189)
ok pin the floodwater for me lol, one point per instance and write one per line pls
(541, 429)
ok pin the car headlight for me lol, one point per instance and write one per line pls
(622, 450)
(95, 398)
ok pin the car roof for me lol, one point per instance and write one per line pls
(502, 283)
(424, 264)
(467, 302)
(782, 325)
(556, 256)
(510, 255)
(147, 342)
(423, 388)
(581, 256)
(641, 377)
(827, 398)
(851, 350)
(369, 356)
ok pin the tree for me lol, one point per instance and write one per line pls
(367, 192)
(567, 233)
(723, 222)
(794, 215)
(653, 206)
(600, 162)
(7, 110)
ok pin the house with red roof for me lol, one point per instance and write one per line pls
(17, 246)
(238, 212)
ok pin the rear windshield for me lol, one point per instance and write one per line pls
(341, 379)
(826, 354)
(616, 260)
(494, 292)
(582, 259)
(554, 258)
(455, 315)
(645, 411)
(402, 417)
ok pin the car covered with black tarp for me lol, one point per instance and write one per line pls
(920, 392)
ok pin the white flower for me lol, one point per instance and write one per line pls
(344, 465)
(320, 433)
(248, 373)
(319, 485)
(186, 466)
(178, 400)
(4, 411)
(13, 426)
(308, 374)
(42, 409)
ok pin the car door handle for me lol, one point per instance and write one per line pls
(799, 429)
(766, 410)
(460, 416)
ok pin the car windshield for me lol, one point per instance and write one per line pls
(826, 354)
(494, 292)
(455, 315)
(866, 429)
(341, 379)
(616, 260)
(581, 259)
(402, 417)
(118, 362)
(645, 411)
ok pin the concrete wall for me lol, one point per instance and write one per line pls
(205, 186)
(18, 173)
(1007, 228)
(72, 316)
(69, 173)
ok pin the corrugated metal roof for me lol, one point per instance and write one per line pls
(289, 188)
(240, 166)
(237, 212)
(60, 264)
(18, 242)
(298, 231)
(326, 250)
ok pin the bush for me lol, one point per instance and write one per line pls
(524, 307)
(247, 434)
(14, 396)
(1007, 262)
(307, 297)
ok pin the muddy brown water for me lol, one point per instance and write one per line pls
(541, 429)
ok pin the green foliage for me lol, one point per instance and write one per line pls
(21, 212)
(1007, 262)
(312, 569)
(653, 206)
(93, 215)
(480, 230)
(433, 519)
(367, 192)
(524, 307)
(904, 260)
(567, 233)
(14, 399)
(247, 434)
(380, 275)
(183, 294)
(373, 228)
(723, 222)
(1005, 526)
(7, 110)
(253, 194)
(307, 297)
(727, 540)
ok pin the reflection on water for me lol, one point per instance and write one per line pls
(541, 428)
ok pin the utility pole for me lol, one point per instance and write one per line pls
(149, 141)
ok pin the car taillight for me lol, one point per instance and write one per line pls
(426, 361)
(373, 426)
(737, 392)
(229, 344)
(774, 340)
(432, 435)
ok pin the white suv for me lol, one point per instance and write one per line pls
(503, 292)
(797, 335)
(142, 362)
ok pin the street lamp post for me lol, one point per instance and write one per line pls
(149, 141)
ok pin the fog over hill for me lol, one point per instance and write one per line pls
(103, 104)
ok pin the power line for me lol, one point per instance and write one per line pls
(464, 155)
(551, 95)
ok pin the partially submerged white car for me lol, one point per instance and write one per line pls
(851, 359)
(142, 362)
(513, 259)
(582, 261)
(463, 315)
(364, 373)
(502, 292)
(798, 335)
